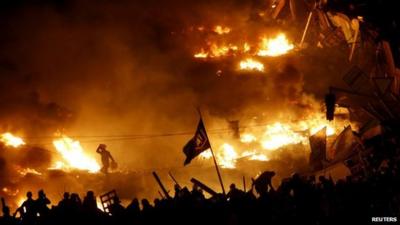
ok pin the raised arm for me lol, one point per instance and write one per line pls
(98, 149)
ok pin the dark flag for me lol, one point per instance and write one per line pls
(318, 149)
(344, 146)
(197, 144)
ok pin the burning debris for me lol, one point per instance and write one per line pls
(277, 46)
(10, 140)
(267, 47)
(250, 64)
(131, 90)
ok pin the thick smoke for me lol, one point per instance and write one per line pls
(106, 68)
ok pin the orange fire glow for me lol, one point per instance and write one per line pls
(265, 141)
(216, 51)
(73, 155)
(251, 64)
(10, 192)
(277, 46)
(216, 48)
(25, 171)
(11, 140)
(279, 135)
(221, 30)
(201, 54)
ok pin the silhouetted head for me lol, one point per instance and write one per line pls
(176, 187)
(75, 197)
(145, 202)
(29, 195)
(41, 194)
(90, 194)
(232, 186)
(66, 195)
(135, 201)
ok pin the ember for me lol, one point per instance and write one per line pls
(221, 30)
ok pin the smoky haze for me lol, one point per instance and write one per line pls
(104, 68)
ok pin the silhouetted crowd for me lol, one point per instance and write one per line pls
(298, 200)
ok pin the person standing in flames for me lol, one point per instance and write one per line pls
(106, 158)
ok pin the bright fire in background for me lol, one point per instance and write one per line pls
(278, 135)
(267, 47)
(216, 51)
(251, 64)
(11, 140)
(265, 141)
(275, 46)
(74, 155)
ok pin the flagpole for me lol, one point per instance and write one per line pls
(213, 156)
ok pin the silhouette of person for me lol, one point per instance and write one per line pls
(234, 193)
(89, 203)
(76, 201)
(106, 157)
(6, 219)
(264, 182)
(41, 204)
(65, 203)
(116, 208)
(146, 205)
(133, 208)
(197, 193)
(27, 210)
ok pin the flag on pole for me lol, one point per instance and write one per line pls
(318, 149)
(344, 146)
(197, 144)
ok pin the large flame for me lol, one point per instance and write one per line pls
(227, 156)
(279, 135)
(264, 142)
(74, 155)
(251, 64)
(275, 46)
(220, 47)
(11, 140)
